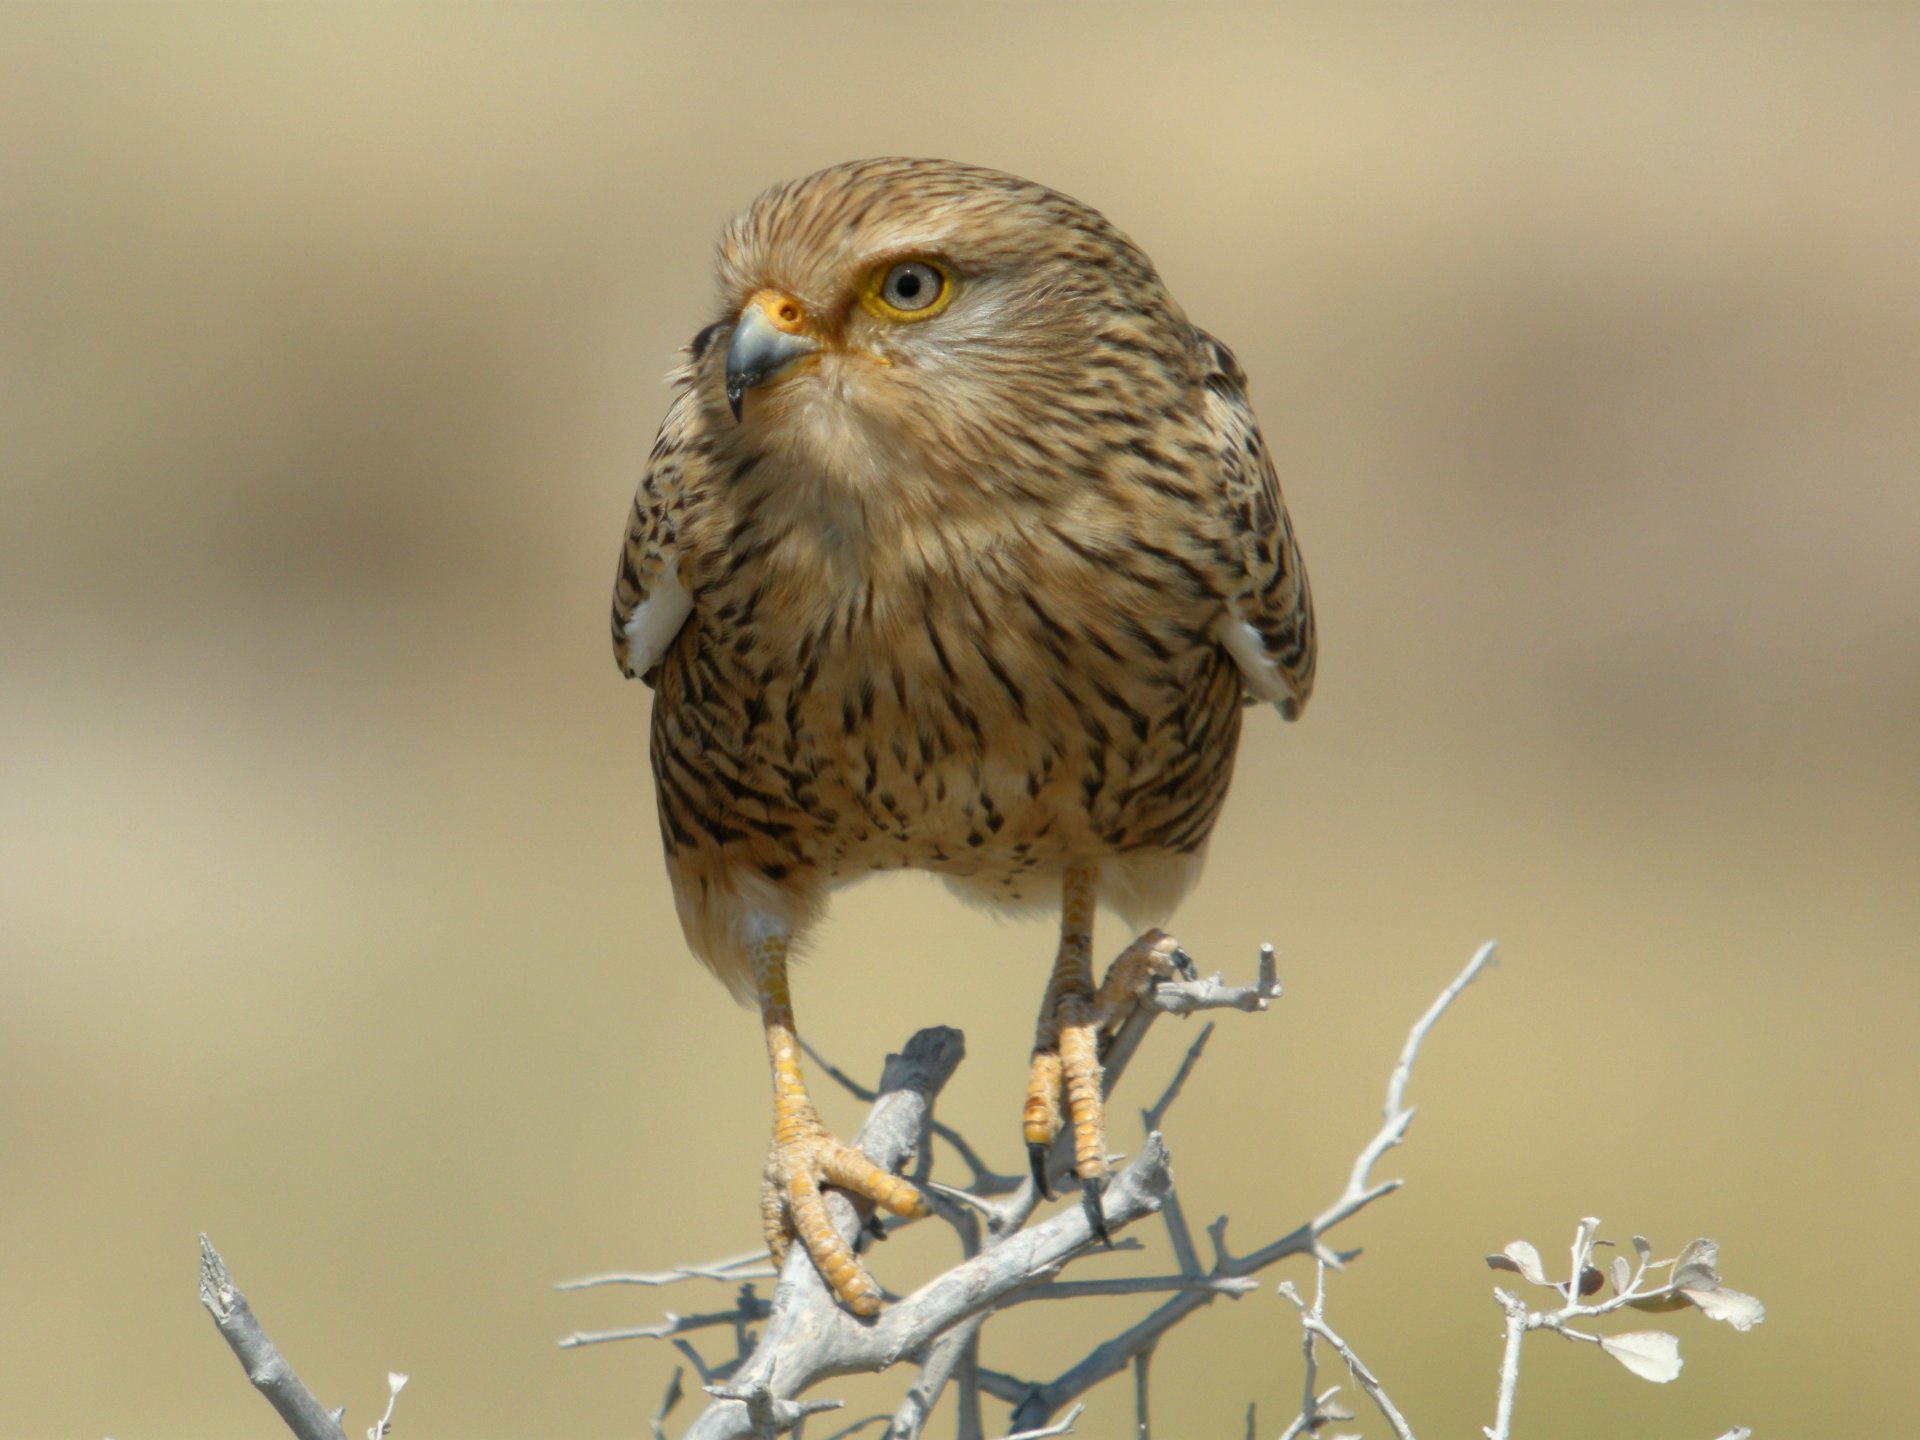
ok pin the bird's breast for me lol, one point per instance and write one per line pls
(983, 705)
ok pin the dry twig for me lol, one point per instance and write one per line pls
(1006, 1260)
(271, 1375)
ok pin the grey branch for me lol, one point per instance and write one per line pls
(1065, 1427)
(753, 1265)
(1313, 1319)
(1110, 1358)
(811, 1338)
(271, 1375)
(750, 1308)
(1005, 1259)
(1396, 1113)
(1183, 997)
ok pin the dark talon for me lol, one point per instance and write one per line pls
(1183, 962)
(1037, 1162)
(1091, 1192)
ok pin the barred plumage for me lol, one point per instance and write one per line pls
(980, 591)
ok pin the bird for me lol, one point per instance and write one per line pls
(959, 550)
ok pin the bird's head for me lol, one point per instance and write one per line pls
(890, 314)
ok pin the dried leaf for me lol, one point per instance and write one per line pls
(1651, 1354)
(1739, 1310)
(1643, 1248)
(1694, 1276)
(1660, 1300)
(1695, 1265)
(1526, 1261)
(1738, 1432)
(1622, 1274)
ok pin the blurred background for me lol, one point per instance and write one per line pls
(332, 919)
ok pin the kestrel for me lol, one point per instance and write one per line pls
(959, 550)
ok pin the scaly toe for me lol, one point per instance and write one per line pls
(797, 1169)
(1137, 971)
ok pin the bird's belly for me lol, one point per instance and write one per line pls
(992, 753)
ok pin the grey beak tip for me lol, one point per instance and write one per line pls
(758, 353)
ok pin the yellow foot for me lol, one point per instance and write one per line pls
(1066, 1064)
(1155, 957)
(802, 1159)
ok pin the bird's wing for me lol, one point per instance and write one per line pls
(650, 604)
(1268, 627)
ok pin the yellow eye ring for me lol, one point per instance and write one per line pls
(907, 290)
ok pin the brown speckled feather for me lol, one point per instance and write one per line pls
(1273, 602)
(982, 595)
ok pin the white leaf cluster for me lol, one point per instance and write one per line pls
(1689, 1279)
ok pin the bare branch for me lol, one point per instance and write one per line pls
(1318, 1410)
(810, 1338)
(966, 1387)
(986, 1180)
(767, 1414)
(1313, 1319)
(1065, 1427)
(1516, 1309)
(1396, 1115)
(751, 1309)
(1184, 997)
(1116, 1053)
(1152, 1117)
(945, 1356)
(809, 1335)
(750, 1265)
(1006, 1260)
(1309, 1417)
(271, 1375)
(1036, 1402)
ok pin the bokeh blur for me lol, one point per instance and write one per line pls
(332, 921)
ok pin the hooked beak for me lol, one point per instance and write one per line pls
(769, 339)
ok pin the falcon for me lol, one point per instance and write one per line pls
(959, 550)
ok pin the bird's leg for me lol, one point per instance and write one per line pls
(803, 1156)
(1066, 1058)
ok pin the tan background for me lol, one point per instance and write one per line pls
(331, 913)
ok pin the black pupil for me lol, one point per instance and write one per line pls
(906, 283)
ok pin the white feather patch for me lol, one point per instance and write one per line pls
(654, 623)
(1243, 644)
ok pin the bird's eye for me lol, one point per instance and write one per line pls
(912, 286)
(908, 290)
